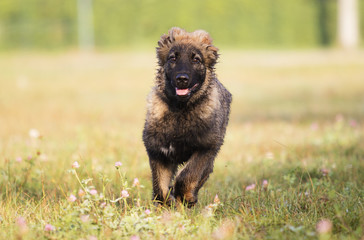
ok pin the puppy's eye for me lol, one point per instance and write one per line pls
(196, 60)
(172, 58)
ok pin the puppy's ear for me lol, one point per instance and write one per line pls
(177, 33)
(202, 37)
(212, 55)
(164, 45)
(205, 39)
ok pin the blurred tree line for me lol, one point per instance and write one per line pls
(132, 23)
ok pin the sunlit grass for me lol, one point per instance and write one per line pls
(293, 154)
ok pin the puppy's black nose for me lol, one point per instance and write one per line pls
(182, 79)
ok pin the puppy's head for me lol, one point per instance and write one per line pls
(185, 59)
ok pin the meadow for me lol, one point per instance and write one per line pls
(291, 167)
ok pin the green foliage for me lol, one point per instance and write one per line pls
(234, 23)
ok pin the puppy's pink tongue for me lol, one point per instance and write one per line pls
(182, 92)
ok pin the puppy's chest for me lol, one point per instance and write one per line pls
(183, 125)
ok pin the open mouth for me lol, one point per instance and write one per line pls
(186, 91)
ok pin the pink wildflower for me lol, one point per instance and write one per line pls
(124, 194)
(22, 224)
(92, 238)
(103, 204)
(250, 187)
(353, 123)
(324, 171)
(93, 191)
(217, 199)
(85, 218)
(314, 126)
(148, 212)
(75, 165)
(18, 159)
(81, 193)
(72, 198)
(265, 183)
(324, 226)
(49, 227)
(136, 182)
(118, 164)
(135, 237)
(20, 221)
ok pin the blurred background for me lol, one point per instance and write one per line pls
(111, 24)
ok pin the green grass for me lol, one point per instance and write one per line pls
(297, 121)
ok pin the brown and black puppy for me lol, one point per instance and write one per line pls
(187, 114)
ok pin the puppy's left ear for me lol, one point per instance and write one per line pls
(212, 55)
(210, 51)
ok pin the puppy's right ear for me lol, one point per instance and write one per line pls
(163, 48)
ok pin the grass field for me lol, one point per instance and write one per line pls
(292, 166)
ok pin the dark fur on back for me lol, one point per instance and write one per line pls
(185, 126)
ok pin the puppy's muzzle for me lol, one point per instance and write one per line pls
(182, 80)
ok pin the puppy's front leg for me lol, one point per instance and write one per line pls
(162, 174)
(193, 176)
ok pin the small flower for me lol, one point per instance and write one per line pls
(216, 199)
(353, 123)
(103, 204)
(324, 171)
(93, 191)
(75, 165)
(135, 237)
(118, 164)
(324, 226)
(18, 159)
(91, 238)
(34, 133)
(250, 187)
(49, 227)
(20, 221)
(85, 218)
(136, 182)
(124, 194)
(72, 198)
(314, 126)
(148, 212)
(22, 224)
(265, 183)
(81, 193)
